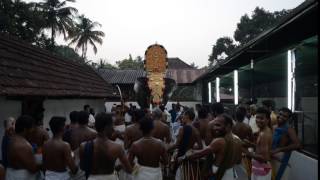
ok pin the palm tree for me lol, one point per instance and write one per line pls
(84, 33)
(59, 18)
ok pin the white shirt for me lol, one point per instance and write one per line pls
(91, 120)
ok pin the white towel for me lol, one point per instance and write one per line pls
(103, 177)
(52, 175)
(147, 173)
(19, 174)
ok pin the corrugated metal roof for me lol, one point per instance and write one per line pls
(28, 70)
(181, 76)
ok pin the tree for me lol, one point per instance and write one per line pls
(130, 63)
(261, 20)
(103, 64)
(222, 49)
(84, 33)
(23, 20)
(194, 65)
(247, 29)
(67, 52)
(59, 18)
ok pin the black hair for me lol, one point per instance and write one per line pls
(241, 113)
(203, 113)
(262, 110)
(74, 116)
(269, 103)
(287, 110)
(137, 114)
(217, 108)
(23, 122)
(57, 124)
(227, 119)
(91, 111)
(146, 125)
(190, 114)
(83, 117)
(86, 106)
(103, 120)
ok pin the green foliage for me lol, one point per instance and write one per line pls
(67, 52)
(103, 64)
(222, 49)
(130, 63)
(247, 29)
(23, 20)
(194, 65)
(84, 34)
(58, 17)
(260, 20)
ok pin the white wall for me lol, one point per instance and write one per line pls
(62, 107)
(303, 167)
(108, 105)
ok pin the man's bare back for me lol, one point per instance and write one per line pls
(131, 134)
(149, 151)
(57, 156)
(81, 134)
(20, 155)
(243, 131)
(161, 131)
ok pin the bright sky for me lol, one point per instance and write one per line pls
(186, 28)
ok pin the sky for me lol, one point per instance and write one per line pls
(186, 28)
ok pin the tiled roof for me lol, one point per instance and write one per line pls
(31, 71)
(176, 63)
(181, 76)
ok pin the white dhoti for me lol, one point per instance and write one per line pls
(120, 128)
(103, 177)
(19, 174)
(261, 171)
(147, 173)
(52, 175)
(276, 162)
(188, 170)
(229, 174)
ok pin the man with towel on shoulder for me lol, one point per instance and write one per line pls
(149, 152)
(57, 153)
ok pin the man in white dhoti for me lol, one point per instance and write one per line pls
(150, 152)
(57, 153)
(98, 157)
(21, 161)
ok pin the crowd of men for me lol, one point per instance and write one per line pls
(129, 143)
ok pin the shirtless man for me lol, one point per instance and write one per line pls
(188, 136)
(261, 167)
(241, 129)
(149, 152)
(38, 136)
(57, 153)
(98, 156)
(161, 130)
(69, 128)
(21, 161)
(284, 141)
(224, 148)
(202, 123)
(133, 132)
(82, 132)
